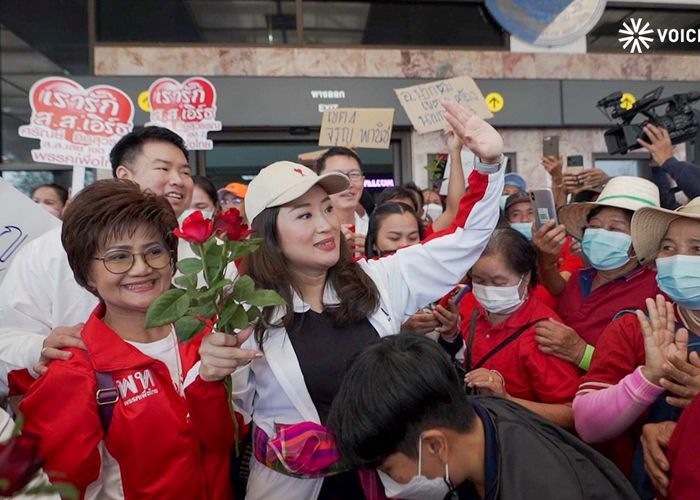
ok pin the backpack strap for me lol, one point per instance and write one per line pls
(106, 396)
(506, 342)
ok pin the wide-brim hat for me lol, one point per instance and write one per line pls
(626, 192)
(649, 226)
(285, 181)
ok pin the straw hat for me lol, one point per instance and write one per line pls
(629, 193)
(649, 226)
(285, 181)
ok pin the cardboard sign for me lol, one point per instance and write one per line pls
(21, 220)
(357, 127)
(76, 126)
(187, 108)
(422, 102)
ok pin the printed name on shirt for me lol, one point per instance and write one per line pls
(141, 384)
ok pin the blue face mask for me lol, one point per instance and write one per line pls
(606, 249)
(679, 278)
(502, 202)
(524, 228)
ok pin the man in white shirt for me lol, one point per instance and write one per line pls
(353, 217)
(39, 298)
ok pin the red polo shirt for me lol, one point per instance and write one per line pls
(528, 372)
(589, 312)
(683, 455)
(620, 350)
(568, 261)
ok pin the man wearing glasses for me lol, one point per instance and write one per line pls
(39, 298)
(353, 218)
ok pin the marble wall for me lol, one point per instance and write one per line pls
(398, 63)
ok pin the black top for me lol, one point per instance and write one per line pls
(323, 352)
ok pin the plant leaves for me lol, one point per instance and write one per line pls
(187, 326)
(189, 266)
(209, 293)
(169, 307)
(263, 298)
(213, 259)
(233, 316)
(206, 310)
(65, 490)
(253, 314)
(184, 281)
(243, 288)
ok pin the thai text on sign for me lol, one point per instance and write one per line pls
(357, 127)
(422, 102)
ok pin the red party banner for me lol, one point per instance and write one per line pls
(187, 108)
(76, 126)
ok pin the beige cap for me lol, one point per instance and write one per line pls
(649, 226)
(285, 181)
(630, 193)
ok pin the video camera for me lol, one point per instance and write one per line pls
(680, 119)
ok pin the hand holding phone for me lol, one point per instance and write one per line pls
(550, 146)
(574, 164)
(544, 207)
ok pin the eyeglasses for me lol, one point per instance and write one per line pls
(231, 201)
(121, 261)
(353, 175)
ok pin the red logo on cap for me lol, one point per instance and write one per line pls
(300, 172)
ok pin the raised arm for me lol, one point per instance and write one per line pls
(423, 273)
(455, 184)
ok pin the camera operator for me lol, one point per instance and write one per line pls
(686, 175)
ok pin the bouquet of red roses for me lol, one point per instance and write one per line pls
(223, 304)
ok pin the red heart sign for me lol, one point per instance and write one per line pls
(62, 104)
(193, 100)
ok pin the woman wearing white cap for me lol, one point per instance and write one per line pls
(334, 307)
(615, 282)
(638, 357)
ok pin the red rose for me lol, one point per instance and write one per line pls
(230, 223)
(195, 228)
(19, 462)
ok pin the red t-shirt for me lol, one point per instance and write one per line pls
(589, 313)
(568, 261)
(620, 350)
(683, 455)
(528, 372)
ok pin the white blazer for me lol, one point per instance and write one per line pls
(271, 390)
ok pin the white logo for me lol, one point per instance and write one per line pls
(636, 35)
(146, 386)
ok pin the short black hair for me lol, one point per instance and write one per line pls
(60, 191)
(130, 146)
(395, 193)
(516, 251)
(417, 193)
(336, 151)
(394, 390)
(375, 221)
(600, 208)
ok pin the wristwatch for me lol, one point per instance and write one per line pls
(488, 168)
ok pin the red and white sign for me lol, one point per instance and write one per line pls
(187, 108)
(77, 126)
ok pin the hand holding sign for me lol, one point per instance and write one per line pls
(477, 135)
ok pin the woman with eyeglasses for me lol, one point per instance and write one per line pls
(133, 414)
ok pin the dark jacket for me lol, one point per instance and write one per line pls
(538, 460)
(686, 175)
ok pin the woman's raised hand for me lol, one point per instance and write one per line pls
(660, 343)
(477, 135)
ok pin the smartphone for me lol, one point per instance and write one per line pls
(545, 209)
(574, 164)
(457, 292)
(550, 146)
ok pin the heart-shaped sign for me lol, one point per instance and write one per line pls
(193, 100)
(63, 104)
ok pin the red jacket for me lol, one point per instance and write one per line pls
(166, 445)
(528, 372)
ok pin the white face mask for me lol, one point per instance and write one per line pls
(419, 487)
(499, 299)
(432, 211)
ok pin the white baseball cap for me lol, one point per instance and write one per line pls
(285, 181)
